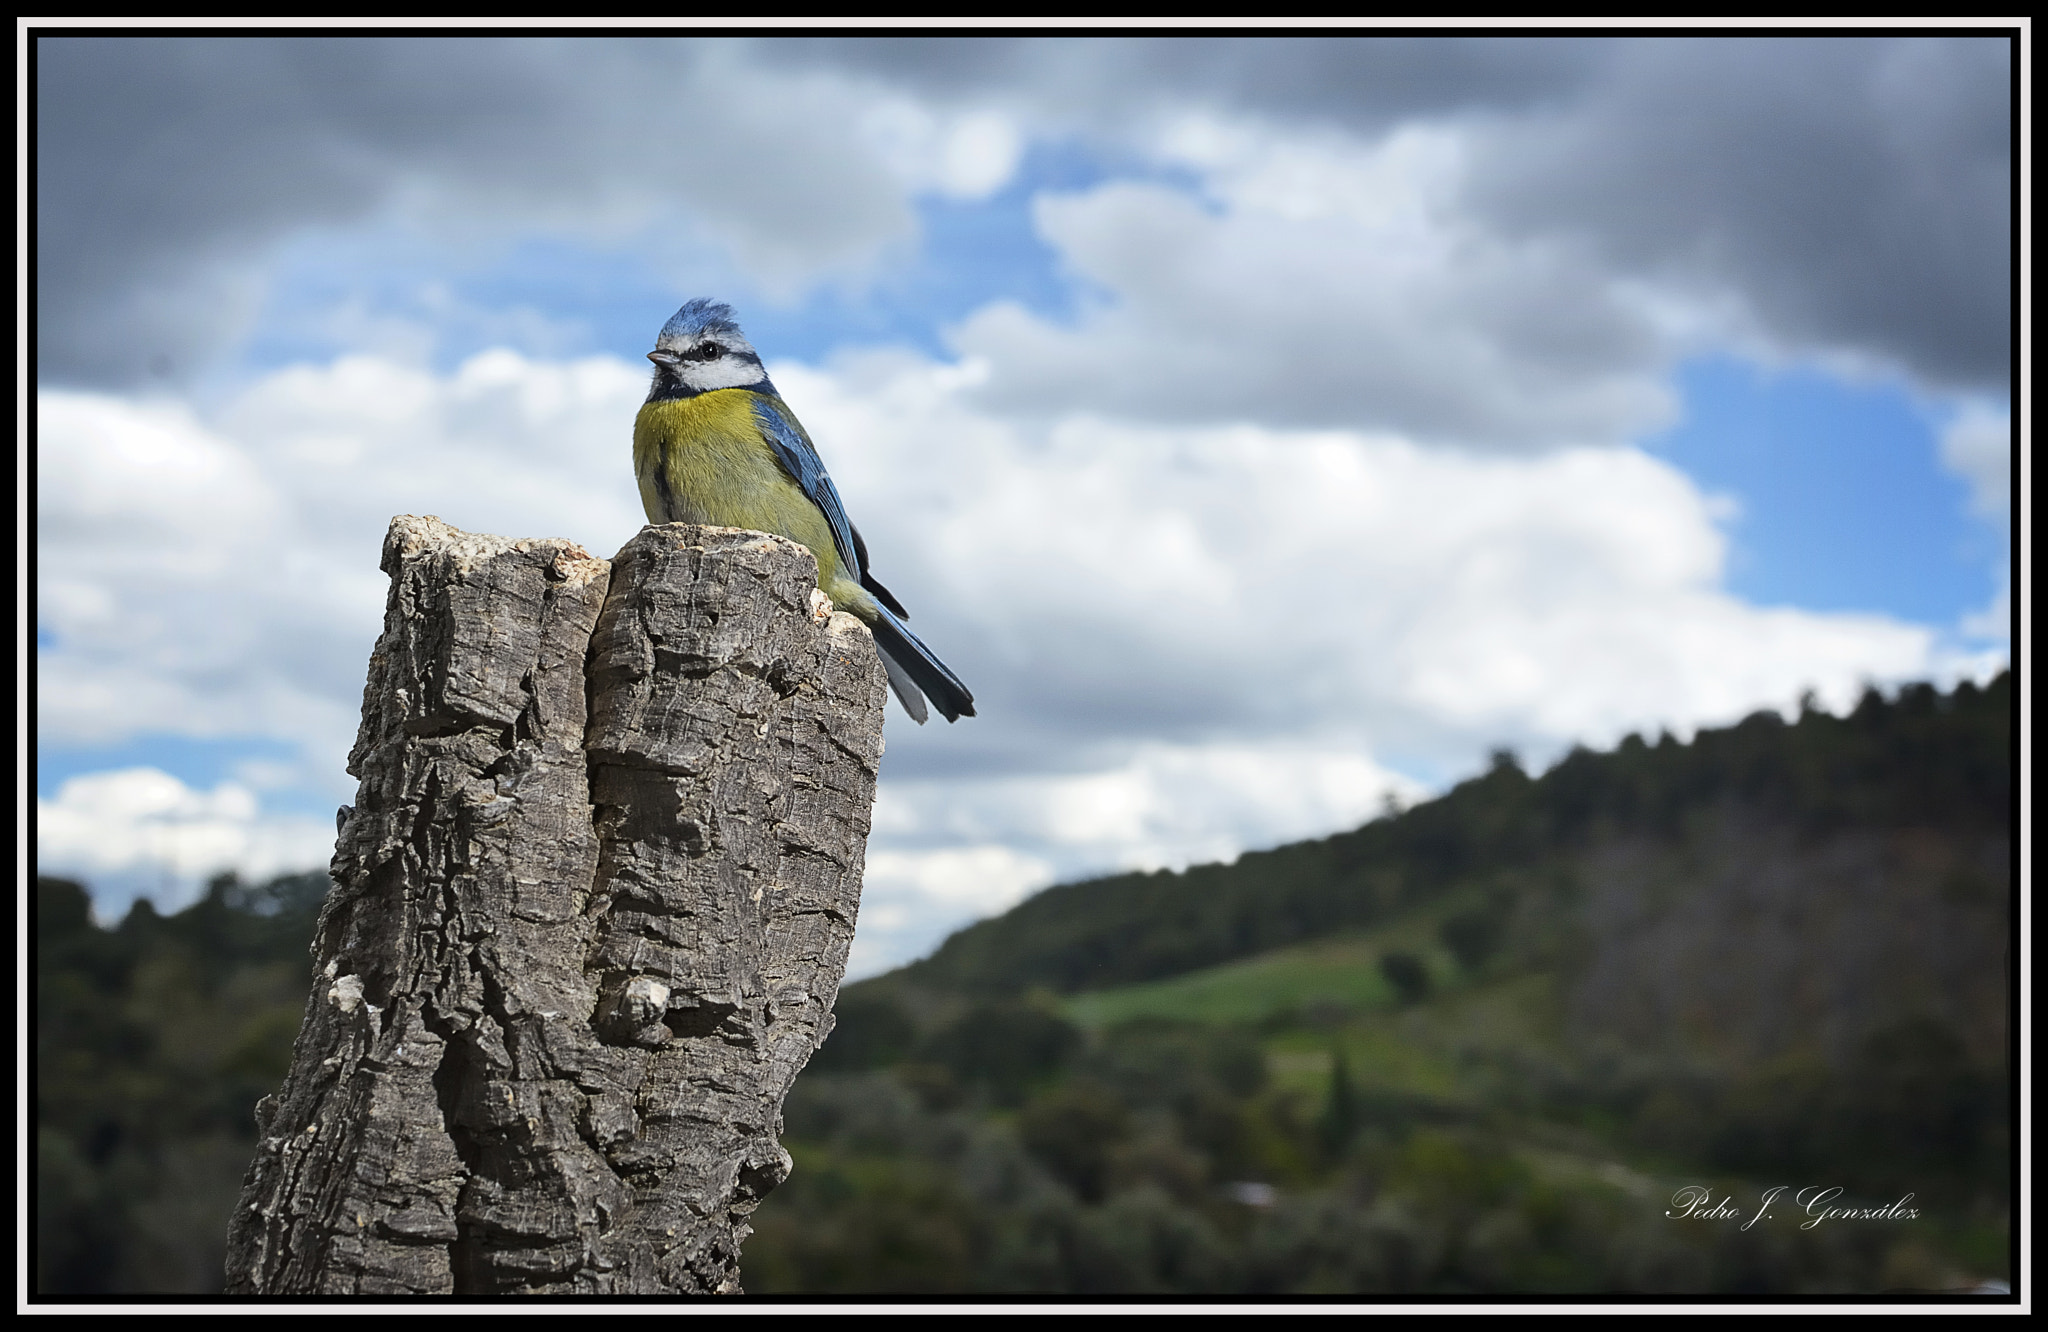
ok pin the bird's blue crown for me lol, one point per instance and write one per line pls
(699, 317)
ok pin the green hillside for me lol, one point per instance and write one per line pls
(1925, 759)
(1479, 1046)
(1343, 973)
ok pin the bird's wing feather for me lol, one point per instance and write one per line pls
(793, 449)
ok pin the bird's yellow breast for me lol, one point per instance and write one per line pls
(703, 460)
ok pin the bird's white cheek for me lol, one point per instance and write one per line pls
(728, 373)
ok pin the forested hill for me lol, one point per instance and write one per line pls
(1517, 1018)
(1483, 1045)
(1921, 760)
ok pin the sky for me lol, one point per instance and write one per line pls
(1267, 430)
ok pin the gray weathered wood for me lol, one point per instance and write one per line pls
(573, 959)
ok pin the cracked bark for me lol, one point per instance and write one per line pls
(589, 919)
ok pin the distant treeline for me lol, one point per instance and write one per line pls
(1921, 759)
(154, 1041)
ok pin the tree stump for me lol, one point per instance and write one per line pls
(589, 918)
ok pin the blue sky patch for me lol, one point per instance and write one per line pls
(1845, 503)
(200, 764)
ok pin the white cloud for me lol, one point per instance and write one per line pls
(909, 899)
(1111, 583)
(151, 530)
(1994, 622)
(952, 852)
(139, 832)
(1315, 281)
(1977, 446)
(149, 470)
(1166, 806)
(964, 156)
(219, 577)
(1189, 642)
(1185, 641)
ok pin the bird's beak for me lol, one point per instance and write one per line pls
(664, 358)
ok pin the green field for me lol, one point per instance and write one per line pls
(1314, 1001)
(1340, 977)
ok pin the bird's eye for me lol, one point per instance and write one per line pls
(710, 351)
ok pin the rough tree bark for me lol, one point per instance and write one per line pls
(589, 919)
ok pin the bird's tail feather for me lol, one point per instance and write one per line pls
(907, 692)
(913, 666)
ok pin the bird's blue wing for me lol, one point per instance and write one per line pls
(794, 451)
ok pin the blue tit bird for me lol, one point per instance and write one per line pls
(715, 444)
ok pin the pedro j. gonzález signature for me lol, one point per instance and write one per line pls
(1696, 1202)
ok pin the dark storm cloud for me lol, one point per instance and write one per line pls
(165, 166)
(160, 160)
(1361, 83)
(1855, 193)
(1858, 193)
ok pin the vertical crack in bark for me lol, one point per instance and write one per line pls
(587, 925)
